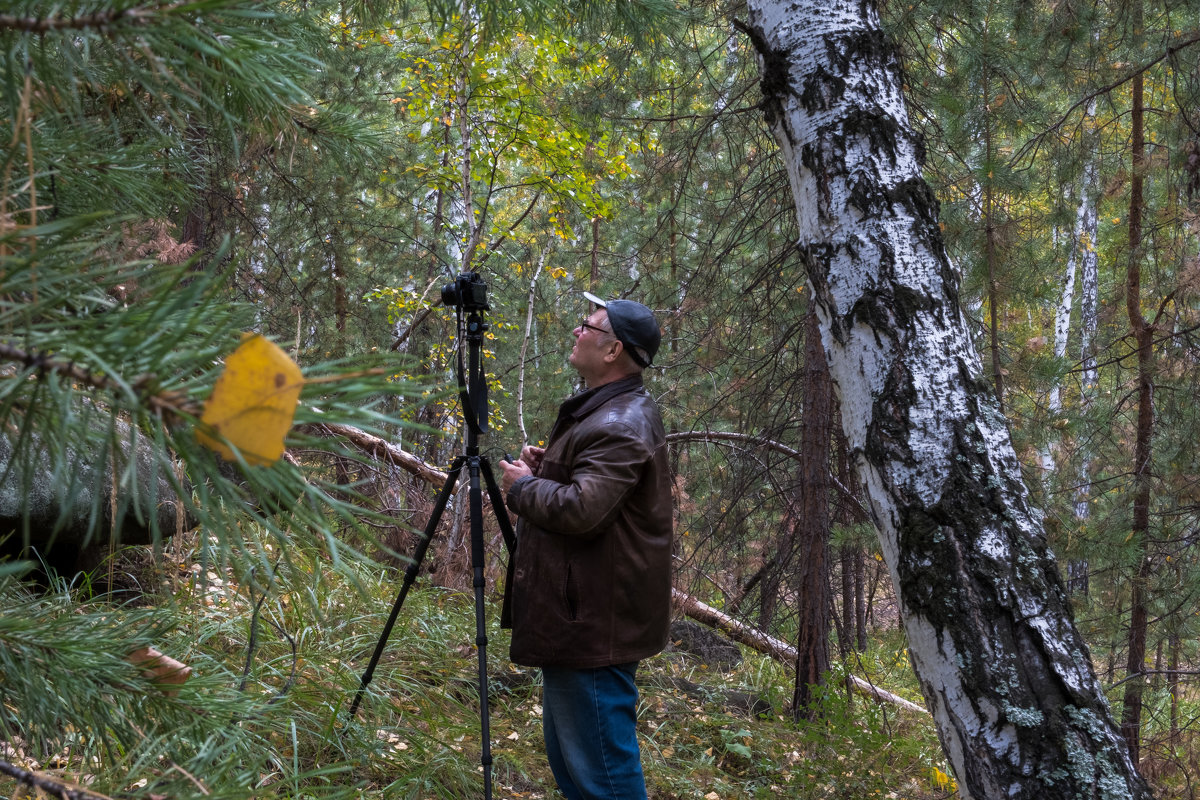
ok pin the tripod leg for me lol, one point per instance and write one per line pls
(510, 541)
(477, 562)
(410, 575)
(501, 511)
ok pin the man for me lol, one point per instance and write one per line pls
(590, 590)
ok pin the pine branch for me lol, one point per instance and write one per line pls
(170, 404)
(101, 19)
(1031, 147)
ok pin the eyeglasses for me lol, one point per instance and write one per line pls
(588, 326)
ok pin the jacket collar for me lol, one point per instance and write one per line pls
(580, 405)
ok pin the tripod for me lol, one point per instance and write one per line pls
(473, 392)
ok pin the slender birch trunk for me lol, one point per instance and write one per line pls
(525, 344)
(1089, 300)
(1004, 671)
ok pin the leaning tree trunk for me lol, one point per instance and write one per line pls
(1005, 673)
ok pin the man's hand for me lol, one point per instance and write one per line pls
(533, 457)
(512, 470)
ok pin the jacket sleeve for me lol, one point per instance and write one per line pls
(606, 470)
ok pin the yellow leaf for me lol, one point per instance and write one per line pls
(943, 781)
(253, 402)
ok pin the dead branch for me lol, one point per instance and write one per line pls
(770, 444)
(701, 612)
(382, 450)
(769, 645)
(51, 786)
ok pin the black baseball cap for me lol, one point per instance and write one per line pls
(634, 326)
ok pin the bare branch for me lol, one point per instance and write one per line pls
(769, 645)
(771, 444)
(382, 450)
(51, 786)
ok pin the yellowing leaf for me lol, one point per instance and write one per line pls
(943, 781)
(253, 402)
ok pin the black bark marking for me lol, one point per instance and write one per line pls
(878, 127)
(775, 83)
(864, 50)
(945, 571)
(888, 435)
(821, 90)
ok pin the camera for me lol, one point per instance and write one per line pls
(468, 292)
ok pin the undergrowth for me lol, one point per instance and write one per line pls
(266, 710)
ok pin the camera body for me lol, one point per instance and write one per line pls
(468, 292)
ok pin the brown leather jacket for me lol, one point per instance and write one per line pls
(591, 579)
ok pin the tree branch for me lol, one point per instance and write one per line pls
(770, 444)
(382, 450)
(775, 648)
(51, 786)
(171, 403)
(1170, 51)
(101, 19)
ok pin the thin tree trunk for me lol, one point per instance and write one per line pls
(812, 527)
(846, 555)
(1089, 300)
(1004, 671)
(595, 273)
(1173, 685)
(1131, 716)
(525, 344)
(860, 602)
(990, 256)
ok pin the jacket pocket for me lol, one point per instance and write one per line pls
(571, 595)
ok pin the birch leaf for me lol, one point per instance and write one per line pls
(253, 402)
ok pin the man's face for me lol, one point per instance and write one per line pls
(593, 341)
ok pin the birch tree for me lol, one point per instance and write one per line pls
(1004, 671)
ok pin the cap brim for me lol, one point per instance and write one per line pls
(596, 300)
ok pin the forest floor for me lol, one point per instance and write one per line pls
(711, 728)
(705, 731)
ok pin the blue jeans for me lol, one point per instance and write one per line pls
(589, 719)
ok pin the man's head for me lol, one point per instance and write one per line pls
(619, 338)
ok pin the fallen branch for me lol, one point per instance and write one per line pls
(51, 786)
(769, 645)
(383, 451)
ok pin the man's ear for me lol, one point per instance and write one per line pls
(614, 352)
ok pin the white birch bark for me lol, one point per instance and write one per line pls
(525, 343)
(1089, 302)
(1004, 672)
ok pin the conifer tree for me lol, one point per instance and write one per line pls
(123, 123)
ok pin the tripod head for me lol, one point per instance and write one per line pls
(468, 293)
